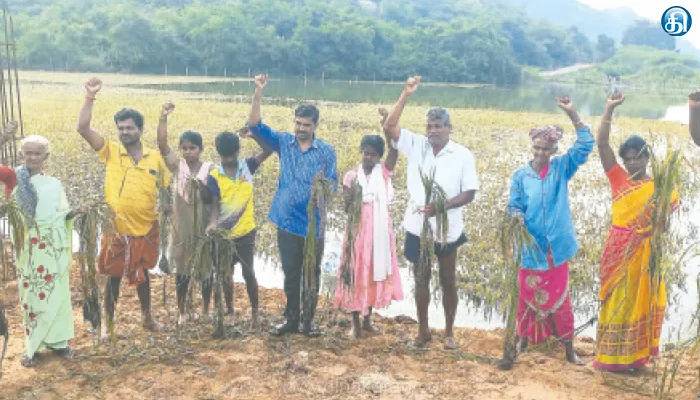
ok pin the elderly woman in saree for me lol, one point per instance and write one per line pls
(539, 195)
(631, 310)
(44, 262)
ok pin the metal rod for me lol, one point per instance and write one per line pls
(20, 122)
(9, 63)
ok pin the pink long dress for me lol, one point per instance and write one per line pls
(366, 292)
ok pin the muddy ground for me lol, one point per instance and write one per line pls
(250, 364)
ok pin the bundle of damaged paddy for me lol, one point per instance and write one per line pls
(5, 333)
(434, 195)
(217, 247)
(98, 220)
(19, 226)
(198, 267)
(514, 238)
(321, 191)
(666, 175)
(354, 214)
(164, 224)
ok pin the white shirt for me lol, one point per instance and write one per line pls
(455, 172)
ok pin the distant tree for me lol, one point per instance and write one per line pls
(579, 44)
(647, 33)
(605, 48)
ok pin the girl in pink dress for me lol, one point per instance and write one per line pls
(373, 265)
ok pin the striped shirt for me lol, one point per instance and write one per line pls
(297, 171)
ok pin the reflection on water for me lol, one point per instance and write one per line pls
(678, 113)
(590, 100)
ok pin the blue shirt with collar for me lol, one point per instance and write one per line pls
(297, 171)
(544, 204)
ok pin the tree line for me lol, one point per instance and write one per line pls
(447, 41)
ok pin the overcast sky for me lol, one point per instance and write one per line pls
(652, 9)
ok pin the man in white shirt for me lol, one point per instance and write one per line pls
(455, 172)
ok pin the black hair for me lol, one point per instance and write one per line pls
(227, 144)
(307, 111)
(129, 113)
(636, 143)
(374, 141)
(193, 137)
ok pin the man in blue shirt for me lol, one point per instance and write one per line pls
(302, 156)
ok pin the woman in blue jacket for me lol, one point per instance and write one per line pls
(539, 195)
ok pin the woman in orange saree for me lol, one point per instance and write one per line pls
(631, 311)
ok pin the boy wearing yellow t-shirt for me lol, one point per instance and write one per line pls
(231, 188)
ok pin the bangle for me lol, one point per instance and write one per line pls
(90, 98)
(605, 121)
(163, 119)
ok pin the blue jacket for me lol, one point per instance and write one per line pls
(544, 203)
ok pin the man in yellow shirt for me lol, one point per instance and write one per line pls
(133, 175)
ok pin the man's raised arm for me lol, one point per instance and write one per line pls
(94, 139)
(391, 124)
(262, 133)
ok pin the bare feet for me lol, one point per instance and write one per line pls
(29, 362)
(368, 326)
(65, 353)
(354, 334)
(450, 343)
(571, 355)
(205, 318)
(505, 364)
(151, 325)
(421, 341)
(254, 320)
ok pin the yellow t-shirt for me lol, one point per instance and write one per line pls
(235, 197)
(132, 189)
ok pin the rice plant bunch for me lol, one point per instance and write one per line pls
(354, 215)
(5, 333)
(514, 238)
(666, 175)
(19, 224)
(321, 191)
(218, 247)
(87, 226)
(164, 220)
(434, 195)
